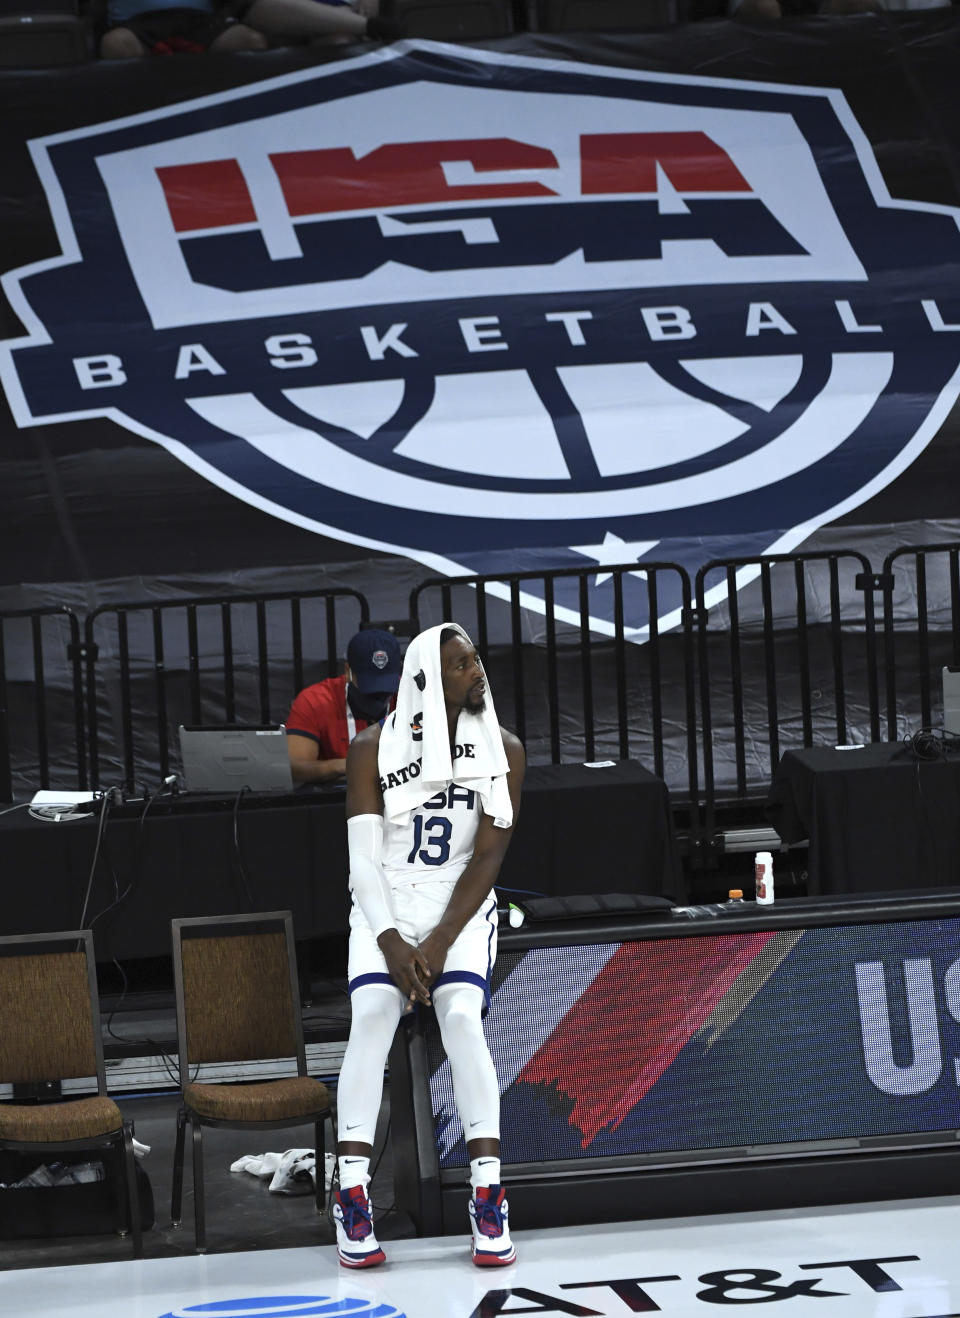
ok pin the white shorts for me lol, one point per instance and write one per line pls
(418, 908)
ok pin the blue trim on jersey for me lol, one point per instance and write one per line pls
(375, 977)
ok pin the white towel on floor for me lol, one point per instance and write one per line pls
(292, 1172)
(414, 756)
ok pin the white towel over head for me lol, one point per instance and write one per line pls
(414, 757)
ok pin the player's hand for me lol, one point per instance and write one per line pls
(434, 948)
(407, 965)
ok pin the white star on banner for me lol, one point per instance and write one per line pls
(614, 552)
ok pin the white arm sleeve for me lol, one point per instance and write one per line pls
(368, 883)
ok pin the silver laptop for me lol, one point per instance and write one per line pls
(229, 758)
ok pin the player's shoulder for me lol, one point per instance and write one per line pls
(362, 760)
(364, 796)
(513, 746)
(367, 740)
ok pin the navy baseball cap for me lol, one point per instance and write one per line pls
(375, 661)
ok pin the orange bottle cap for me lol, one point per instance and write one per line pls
(735, 892)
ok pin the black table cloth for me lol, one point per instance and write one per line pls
(878, 818)
(580, 830)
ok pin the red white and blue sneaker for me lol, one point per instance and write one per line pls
(492, 1246)
(356, 1244)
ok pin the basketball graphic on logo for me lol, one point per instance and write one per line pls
(649, 438)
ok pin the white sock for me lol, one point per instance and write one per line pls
(354, 1170)
(484, 1170)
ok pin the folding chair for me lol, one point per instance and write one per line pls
(51, 1033)
(235, 978)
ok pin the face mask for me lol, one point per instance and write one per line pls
(369, 707)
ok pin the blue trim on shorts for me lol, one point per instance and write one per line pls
(460, 977)
(464, 977)
(468, 976)
(447, 976)
(491, 918)
(375, 977)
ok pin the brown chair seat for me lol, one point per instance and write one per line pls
(81, 1119)
(271, 1100)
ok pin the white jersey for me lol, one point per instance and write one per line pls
(436, 842)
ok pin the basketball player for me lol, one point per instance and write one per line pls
(431, 799)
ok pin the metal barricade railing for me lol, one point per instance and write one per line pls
(586, 663)
(620, 644)
(211, 659)
(794, 634)
(41, 700)
(921, 632)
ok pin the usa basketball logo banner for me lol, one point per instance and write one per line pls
(494, 312)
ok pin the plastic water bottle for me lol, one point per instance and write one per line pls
(763, 876)
(734, 899)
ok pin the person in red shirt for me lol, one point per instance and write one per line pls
(325, 717)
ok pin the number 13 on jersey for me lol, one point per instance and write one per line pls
(431, 840)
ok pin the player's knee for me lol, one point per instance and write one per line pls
(121, 43)
(460, 1022)
(239, 38)
(374, 1011)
